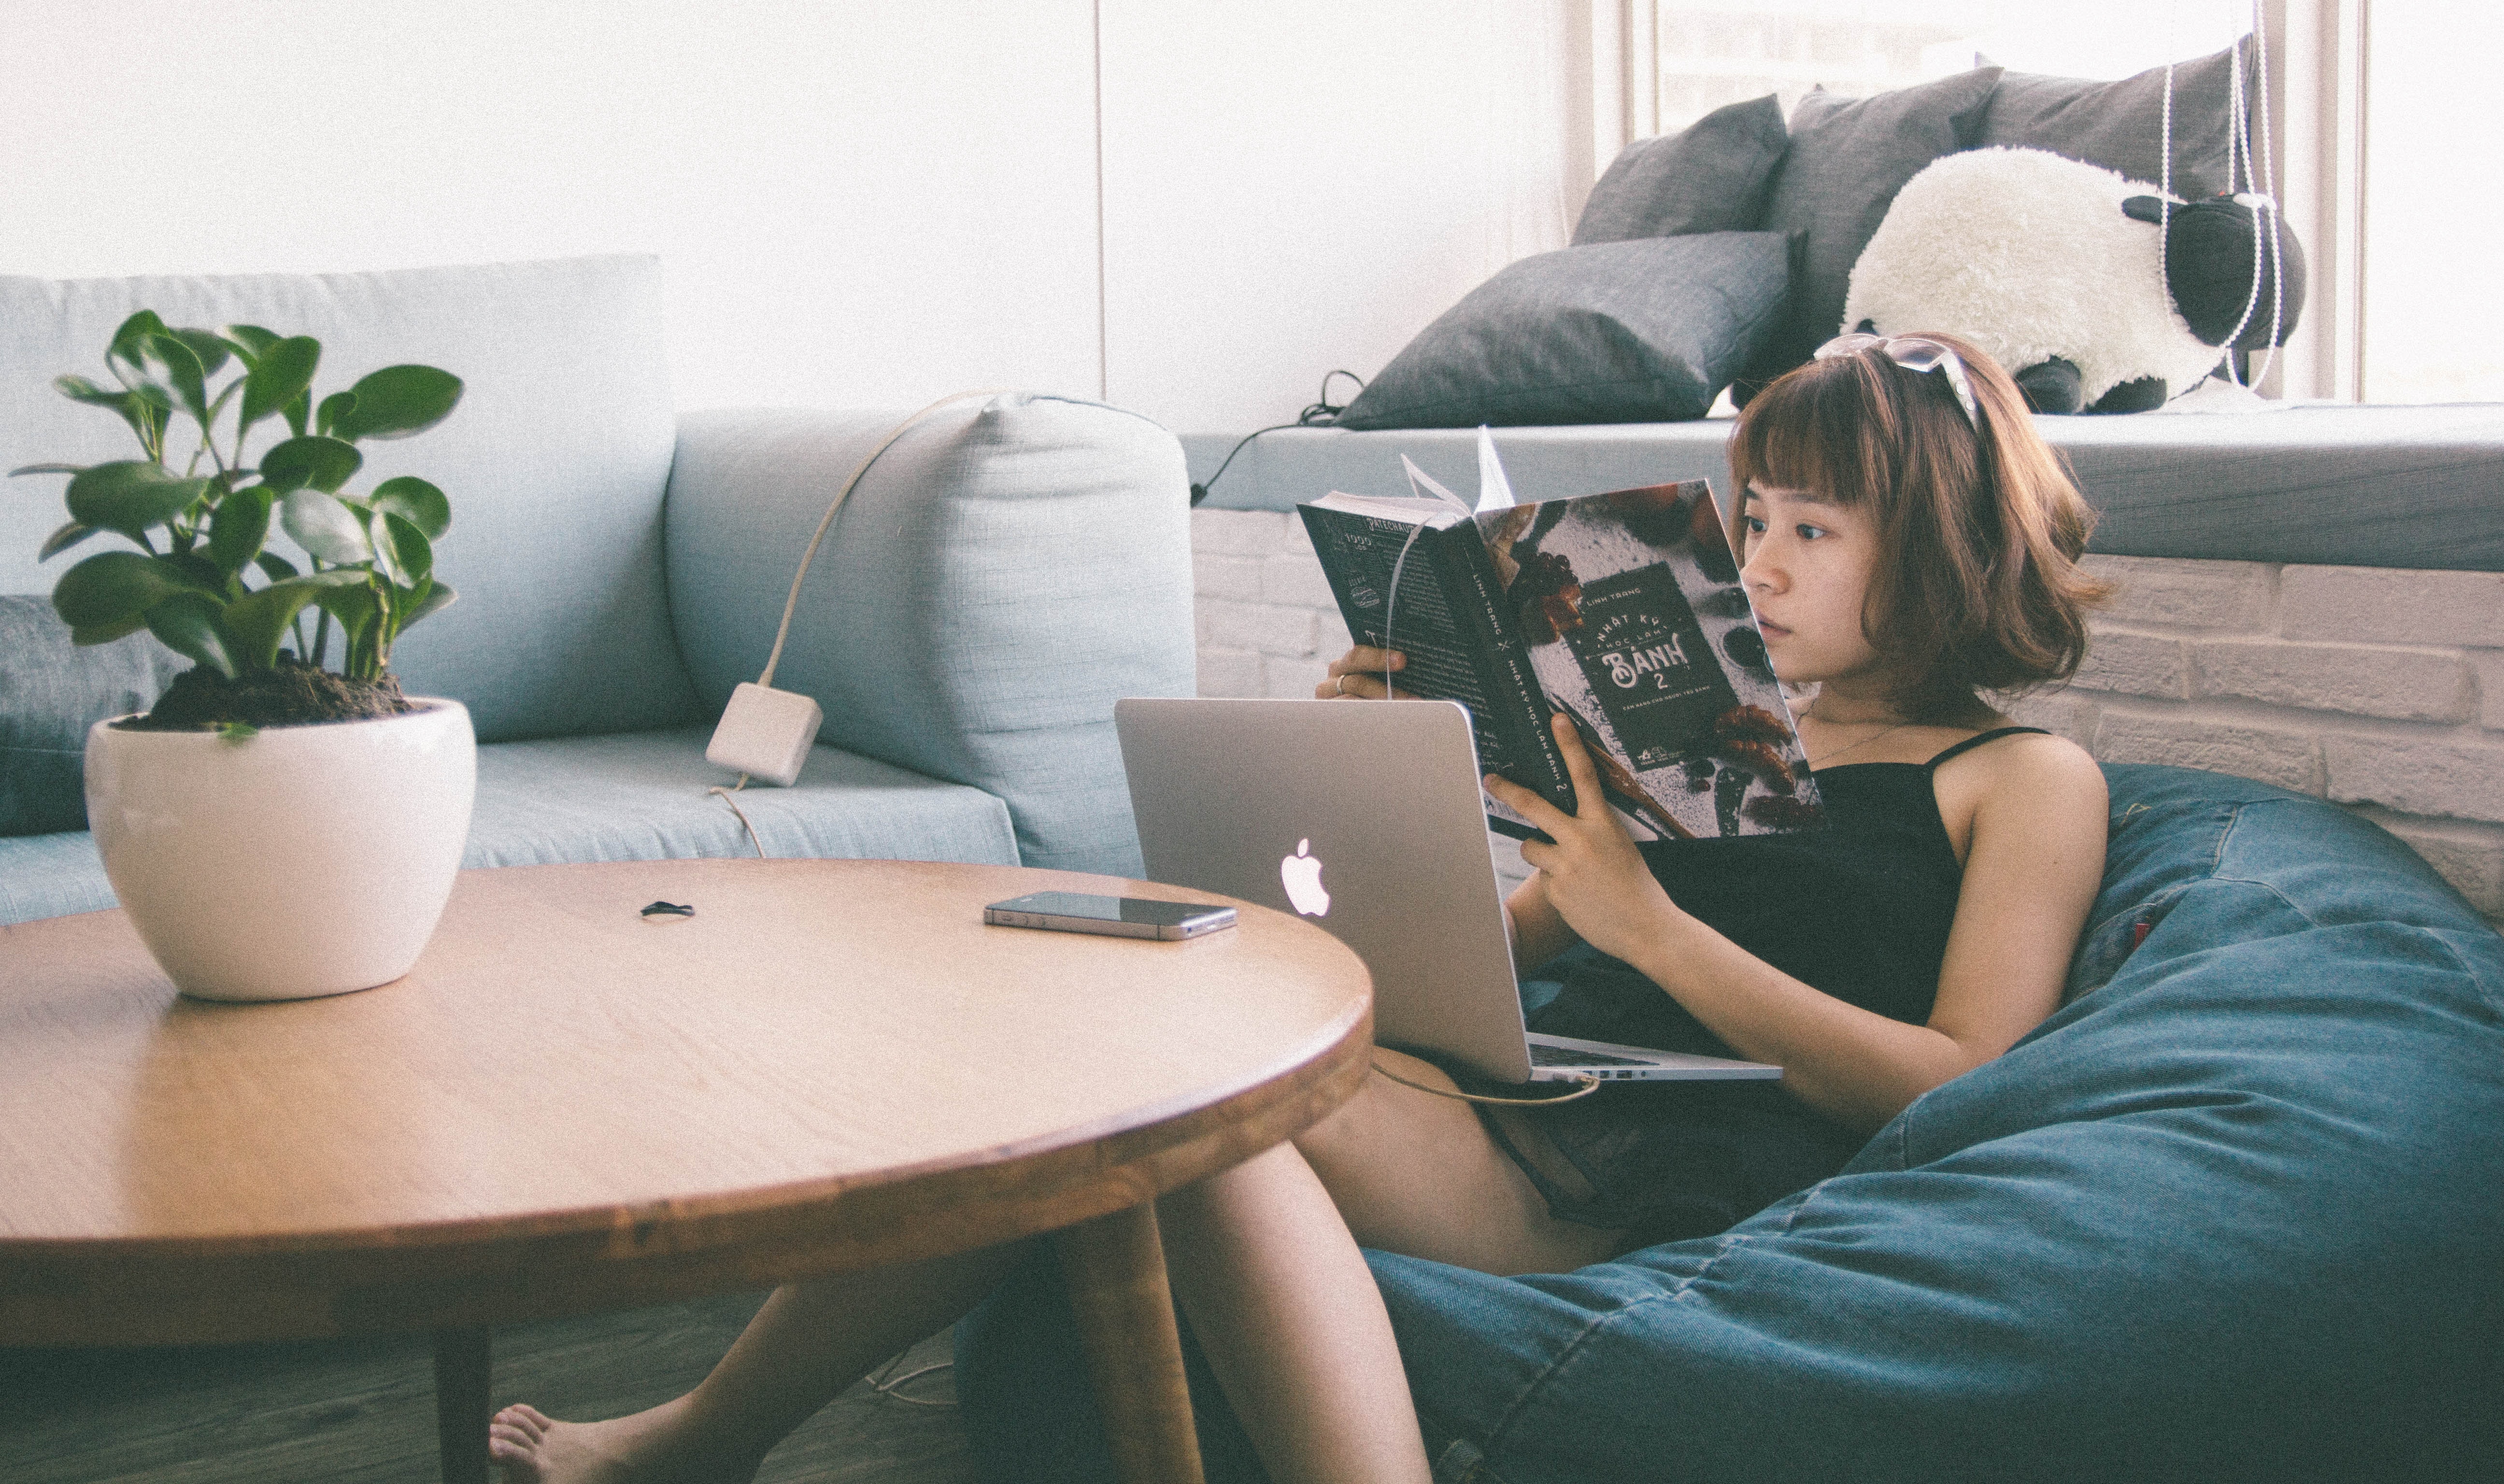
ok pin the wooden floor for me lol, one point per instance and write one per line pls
(363, 1411)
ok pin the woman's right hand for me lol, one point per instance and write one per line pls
(1357, 675)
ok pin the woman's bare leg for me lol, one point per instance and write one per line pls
(1286, 1310)
(1418, 1174)
(804, 1347)
(1263, 1260)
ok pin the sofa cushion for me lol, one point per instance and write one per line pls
(50, 692)
(1002, 575)
(2236, 1214)
(1644, 331)
(1847, 159)
(642, 796)
(627, 796)
(2120, 125)
(555, 461)
(1709, 177)
(51, 876)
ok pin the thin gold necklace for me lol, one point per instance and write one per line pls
(1863, 743)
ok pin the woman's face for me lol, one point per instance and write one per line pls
(1806, 566)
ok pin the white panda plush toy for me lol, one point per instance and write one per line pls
(2052, 266)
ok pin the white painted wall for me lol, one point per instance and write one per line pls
(858, 203)
(854, 203)
(1303, 185)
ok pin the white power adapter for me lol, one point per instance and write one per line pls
(765, 733)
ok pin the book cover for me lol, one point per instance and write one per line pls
(1629, 608)
(1407, 574)
(1622, 609)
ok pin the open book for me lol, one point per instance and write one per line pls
(1622, 609)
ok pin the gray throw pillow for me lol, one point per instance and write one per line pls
(50, 692)
(1643, 331)
(2121, 125)
(1848, 159)
(1709, 177)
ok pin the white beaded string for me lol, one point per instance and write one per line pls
(1391, 603)
(1590, 1083)
(2239, 164)
(2165, 186)
(2268, 194)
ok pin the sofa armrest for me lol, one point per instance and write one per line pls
(1003, 573)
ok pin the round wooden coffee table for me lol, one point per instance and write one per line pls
(567, 1106)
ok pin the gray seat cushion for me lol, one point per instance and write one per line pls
(630, 796)
(1648, 330)
(1709, 177)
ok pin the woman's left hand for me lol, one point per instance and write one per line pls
(1596, 879)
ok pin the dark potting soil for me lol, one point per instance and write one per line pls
(292, 695)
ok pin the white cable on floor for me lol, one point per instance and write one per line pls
(881, 1386)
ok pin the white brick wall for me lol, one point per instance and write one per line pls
(2380, 689)
(1268, 626)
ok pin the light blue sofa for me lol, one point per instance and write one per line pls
(1003, 573)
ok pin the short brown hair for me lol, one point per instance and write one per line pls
(1979, 587)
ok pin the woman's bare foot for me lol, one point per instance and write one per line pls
(659, 1446)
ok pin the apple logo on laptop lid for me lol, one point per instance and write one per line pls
(1301, 876)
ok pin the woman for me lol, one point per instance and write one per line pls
(1907, 542)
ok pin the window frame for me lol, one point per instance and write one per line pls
(2316, 77)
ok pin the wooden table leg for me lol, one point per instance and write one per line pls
(1116, 1268)
(460, 1385)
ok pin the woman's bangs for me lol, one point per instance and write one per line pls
(1791, 433)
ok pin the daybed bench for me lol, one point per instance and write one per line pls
(2333, 485)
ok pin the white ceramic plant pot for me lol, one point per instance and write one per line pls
(295, 862)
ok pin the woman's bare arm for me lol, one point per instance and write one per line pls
(2034, 859)
(2031, 872)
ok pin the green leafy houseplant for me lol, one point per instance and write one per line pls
(201, 535)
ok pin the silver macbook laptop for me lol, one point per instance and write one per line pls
(1368, 818)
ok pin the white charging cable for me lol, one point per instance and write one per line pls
(767, 732)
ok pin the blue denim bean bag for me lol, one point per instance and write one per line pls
(2236, 1212)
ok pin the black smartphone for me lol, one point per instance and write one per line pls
(1074, 912)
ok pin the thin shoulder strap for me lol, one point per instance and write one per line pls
(1971, 742)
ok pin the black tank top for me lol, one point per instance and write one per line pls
(1859, 910)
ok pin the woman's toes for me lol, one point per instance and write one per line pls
(521, 1424)
(515, 1437)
